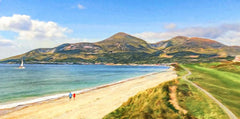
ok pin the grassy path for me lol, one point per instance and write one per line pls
(224, 85)
(229, 113)
(160, 103)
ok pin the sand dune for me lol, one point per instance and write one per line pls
(93, 104)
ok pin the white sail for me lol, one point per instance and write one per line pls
(21, 66)
(21, 63)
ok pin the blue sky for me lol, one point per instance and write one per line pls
(94, 20)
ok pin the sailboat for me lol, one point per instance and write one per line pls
(21, 66)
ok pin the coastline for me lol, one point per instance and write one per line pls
(10, 103)
(74, 63)
(12, 108)
(23, 103)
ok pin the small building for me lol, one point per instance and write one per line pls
(237, 58)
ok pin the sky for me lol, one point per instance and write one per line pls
(29, 24)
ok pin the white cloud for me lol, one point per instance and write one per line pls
(29, 29)
(225, 33)
(230, 38)
(6, 43)
(80, 6)
(11, 51)
(8, 48)
(31, 34)
(170, 26)
(15, 23)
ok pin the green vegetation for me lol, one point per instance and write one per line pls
(150, 104)
(122, 42)
(123, 48)
(197, 103)
(154, 103)
(222, 80)
(233, 67)
(116, 58)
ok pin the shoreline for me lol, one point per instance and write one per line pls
(23, 103)
(91, 92)
(107, 64)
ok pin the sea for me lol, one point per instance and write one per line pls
(38, 82)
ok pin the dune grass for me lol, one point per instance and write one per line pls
(150, 104)
(222, 83)
(154, 103)
(197, 103)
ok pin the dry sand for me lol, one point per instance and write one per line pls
(93, 104)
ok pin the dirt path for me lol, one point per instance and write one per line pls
(173, 99)
(229, 113)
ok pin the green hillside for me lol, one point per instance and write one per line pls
(154, 103)
(122, 42)
(195, 45)
(150, 104)
(125, 48)
(222, 80)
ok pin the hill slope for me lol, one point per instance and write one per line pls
(122, 42)
(195, 47)
(124, 48)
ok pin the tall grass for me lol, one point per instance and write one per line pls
(154, 103)
(197, 103)
(150, 104)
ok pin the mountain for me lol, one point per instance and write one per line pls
(124, 48)
(182, 43)
(195, 46)
(122, 42)
(117, 48)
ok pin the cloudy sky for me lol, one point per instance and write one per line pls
(30, 24)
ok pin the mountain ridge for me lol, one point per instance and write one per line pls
(121, 47)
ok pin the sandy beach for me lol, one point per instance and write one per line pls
(93, 104)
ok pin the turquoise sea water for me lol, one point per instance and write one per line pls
(39, 80)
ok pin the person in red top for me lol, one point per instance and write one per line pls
(74, 95)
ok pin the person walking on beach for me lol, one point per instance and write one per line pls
(70, 95)
(74, 95)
